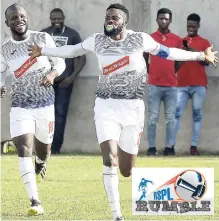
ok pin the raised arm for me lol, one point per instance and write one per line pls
(153, 47)
(66, 51)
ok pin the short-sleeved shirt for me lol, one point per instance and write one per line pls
(68, 37)
(193, 73)
(162, 71)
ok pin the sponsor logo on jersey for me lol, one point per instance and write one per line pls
(116, 65)
(24, 67)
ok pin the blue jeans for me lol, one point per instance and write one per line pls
(197, 95)
(157, 94)
(62, 99)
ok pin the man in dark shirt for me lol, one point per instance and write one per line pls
(63, 85)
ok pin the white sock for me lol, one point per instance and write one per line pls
(111, 184)
(28, 176)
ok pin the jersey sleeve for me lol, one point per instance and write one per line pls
(149, 44)
(58, 63)
(89, 43)
(66, 51)
(176, 54)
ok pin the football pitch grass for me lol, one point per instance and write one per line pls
(73, 189)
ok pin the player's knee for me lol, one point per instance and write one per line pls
(124, 172)
(24, 150)
(110, 161)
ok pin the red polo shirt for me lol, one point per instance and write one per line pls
(162, 71)
(192, 73)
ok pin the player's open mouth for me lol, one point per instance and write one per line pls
(109, 27)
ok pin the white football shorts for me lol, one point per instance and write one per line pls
(39, 121)
(120, 120)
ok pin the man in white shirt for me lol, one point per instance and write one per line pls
(32, 98)
(119, 106)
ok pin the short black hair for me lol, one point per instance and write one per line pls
(164, 11)
(57, 10)
(121, 7)
(12, 6)
(194, 17)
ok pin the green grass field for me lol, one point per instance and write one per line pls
(74, 190)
